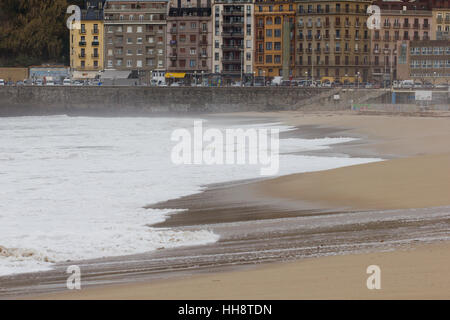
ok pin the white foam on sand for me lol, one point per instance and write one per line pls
(75, 188)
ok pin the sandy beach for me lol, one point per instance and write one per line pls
(370, 206)
(419, 273)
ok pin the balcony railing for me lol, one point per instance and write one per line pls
(82, 43)
(95, 31)
(95, 43)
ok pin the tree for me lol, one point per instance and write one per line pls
(34, 31)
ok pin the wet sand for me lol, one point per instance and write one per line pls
(342, 211)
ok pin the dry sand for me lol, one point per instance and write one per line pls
(419, 176)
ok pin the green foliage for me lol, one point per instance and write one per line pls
(33, 32)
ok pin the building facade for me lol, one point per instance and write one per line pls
(189, 38)
(428, 61)
(135, 36)
(86, 43)
(274, 38)
(233, 31)
(441, 23)
(389, 44)
(332, 40)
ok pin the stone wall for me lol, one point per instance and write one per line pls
(168, 100)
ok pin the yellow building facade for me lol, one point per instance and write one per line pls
(274, 38)
(86, 49)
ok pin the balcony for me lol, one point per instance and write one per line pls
(232, 34)
(203, 42)
(82, 43)
(229, 47)
(94, 31)
(406, 25)
(82, 31)
(386, 25)
(203, 56)
(82, 55)
(299, 37)
(96, 56)
(231, 60)
(416, 26)
(95, 43)
(300, 25)
(387, 38)
(397, 25)
(318, 50)
(232, 12)
(299, 50)
(426, 27)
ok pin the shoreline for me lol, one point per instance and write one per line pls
(278, 211)
(326, 277)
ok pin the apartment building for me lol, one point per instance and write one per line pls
(135, 35)
(274, 38)
(332, 40)
(233, 31)
(428, 61)
(389, 43)
(189, 39)
(440, 23)
(86, 43)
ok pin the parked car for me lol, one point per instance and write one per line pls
(39, 82)
(67, 82)
(407, 84)
(276, 81)
(326, 84)
(19, 83)
(2, 82)
(28, 82)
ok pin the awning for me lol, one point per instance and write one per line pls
(175, 75)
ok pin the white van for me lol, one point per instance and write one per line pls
(67, 82)
(2, 82)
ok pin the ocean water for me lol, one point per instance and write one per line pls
(74, 188)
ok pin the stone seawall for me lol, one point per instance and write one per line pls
(164, 100)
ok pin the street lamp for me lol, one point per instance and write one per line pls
(357, 79)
